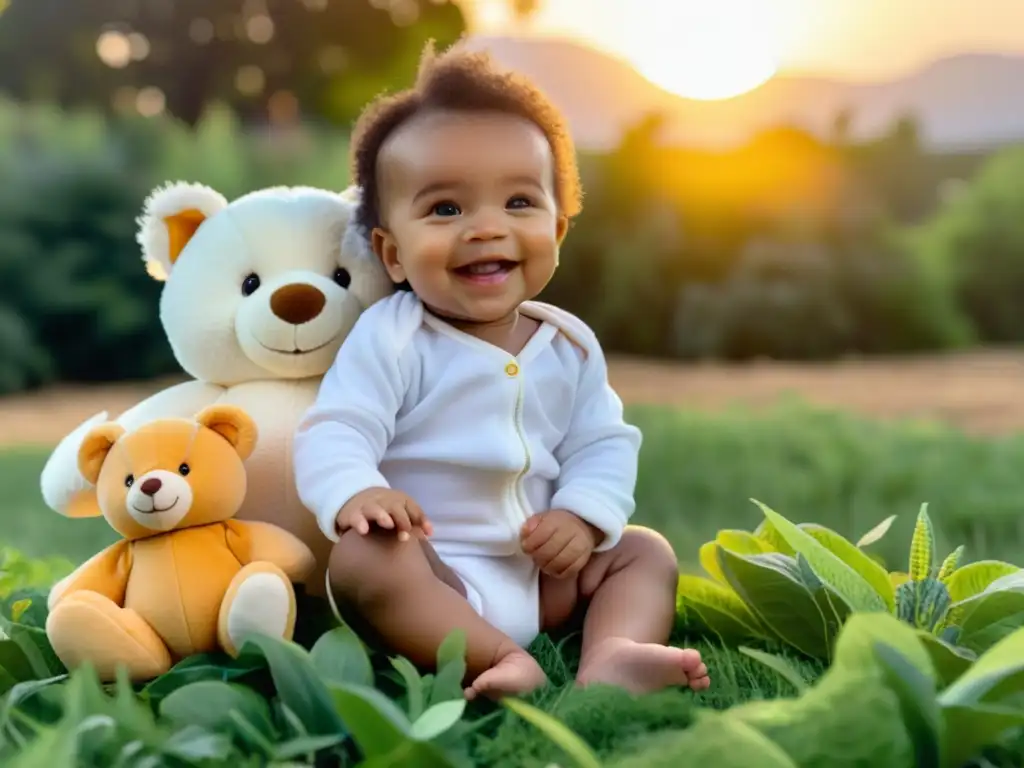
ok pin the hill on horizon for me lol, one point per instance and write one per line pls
(968, 102)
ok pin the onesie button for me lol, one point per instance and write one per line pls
(512, 370)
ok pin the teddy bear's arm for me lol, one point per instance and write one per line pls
(180, 401)
(252, 541)
(105, 572)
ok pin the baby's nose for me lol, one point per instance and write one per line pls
(151, 486)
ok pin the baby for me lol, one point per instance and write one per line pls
(466, 451)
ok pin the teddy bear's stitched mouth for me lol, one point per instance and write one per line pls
(154, 510)
(296, 350)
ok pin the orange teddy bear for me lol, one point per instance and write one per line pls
(186, 578)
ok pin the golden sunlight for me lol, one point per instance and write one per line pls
(701, 49)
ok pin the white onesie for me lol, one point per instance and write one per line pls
(479, 438)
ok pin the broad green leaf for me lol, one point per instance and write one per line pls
(843, 579)
(574, 747)
(973, 578)
(855, 647)
(210, 704)
(438, 719)
(773, 540)
(451, 669)
(339, 656)
(14, 665)
(375, 721)
(876, 533)
(969, 729)
(305, 745)
(989, 617)
(718, 608)
(868, 569)
(194, 744)
(414, 688)
(779, 665)
(200, 667)
(36, 647)
(411, 754)
(18, 609)
(997, 673)
(771, 587)
(297, 683)
(949, 661)
(707, 555)
(898, 578)
(916, 693)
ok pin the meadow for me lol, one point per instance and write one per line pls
(699, 471)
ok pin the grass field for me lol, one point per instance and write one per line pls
(699, 469)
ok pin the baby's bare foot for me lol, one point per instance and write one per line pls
(643, 667)
(515, 674)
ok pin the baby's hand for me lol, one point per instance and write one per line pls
(560, 542)
(385, 507)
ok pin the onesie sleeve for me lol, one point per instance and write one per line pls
(341, 439)
(599, 455)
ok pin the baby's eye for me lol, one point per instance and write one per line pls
(446, 209)
(519, 201)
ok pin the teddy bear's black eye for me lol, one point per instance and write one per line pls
(184, 469)
(251, 284)
(128, 481)
(342, 277)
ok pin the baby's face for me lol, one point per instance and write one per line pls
(469, 212)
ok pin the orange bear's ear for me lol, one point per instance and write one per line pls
(233, 424)
(170, 218)
(95, 447)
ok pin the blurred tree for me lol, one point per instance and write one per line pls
(267, 59)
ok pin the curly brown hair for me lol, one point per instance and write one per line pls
(460, 80)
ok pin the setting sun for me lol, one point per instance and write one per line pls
(703, 49)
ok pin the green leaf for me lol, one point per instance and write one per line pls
(970, 729)
(297, 683)
(949, 661)
(771, 587)
(876, 533)
(974, 578)
(375, 721)
(997, 673)
(920, 708)
(574, 747)
(989, 617)
(339, 656)
(438, 719)
(194, 743)
(201, 667)
(451, 669)
(855, 647)
(14, 665)
(305, 745)
(36, 647)
(778, 665)
(843, 579)
(859, 561)
(212, 704)
(718, 608)
(410, 754)
(414, 686)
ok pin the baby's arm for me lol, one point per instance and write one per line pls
(342, 437)
(598, 456)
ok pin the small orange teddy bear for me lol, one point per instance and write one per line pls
(186, 578)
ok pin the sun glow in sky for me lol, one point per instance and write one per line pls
(718, 48)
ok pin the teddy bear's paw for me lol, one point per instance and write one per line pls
(260, 599)
(86, 627)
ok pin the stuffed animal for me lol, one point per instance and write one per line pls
(186, 578)
(258, 295)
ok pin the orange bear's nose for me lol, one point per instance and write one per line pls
(151, 486)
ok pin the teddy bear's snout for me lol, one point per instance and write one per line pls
(297, 303)
(151, 486)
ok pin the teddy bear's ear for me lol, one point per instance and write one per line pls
(170, 217)
(95, 447)
(233, 424)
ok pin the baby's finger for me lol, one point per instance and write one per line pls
(539, 537)
(360, 523)
(418, 517)
(561, 566)
(379, 515)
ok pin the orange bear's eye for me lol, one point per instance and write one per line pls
(184, 469)
(128, 481)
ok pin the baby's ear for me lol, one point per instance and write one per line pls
(95, 447)
(170, 217)
(233, 424)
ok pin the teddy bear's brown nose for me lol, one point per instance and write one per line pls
(297, 303)
(151, 486)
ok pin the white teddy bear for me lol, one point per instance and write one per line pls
(258, 295)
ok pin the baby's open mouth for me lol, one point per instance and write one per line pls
(493, 271)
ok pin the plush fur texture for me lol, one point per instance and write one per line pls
(261, 344)
(185, 578)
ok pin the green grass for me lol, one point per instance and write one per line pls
(698, 472)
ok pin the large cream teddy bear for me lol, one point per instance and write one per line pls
(258, 295)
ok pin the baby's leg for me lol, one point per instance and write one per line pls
(412, 601)
(631, 590)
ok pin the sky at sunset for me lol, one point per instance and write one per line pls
(857, 39)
